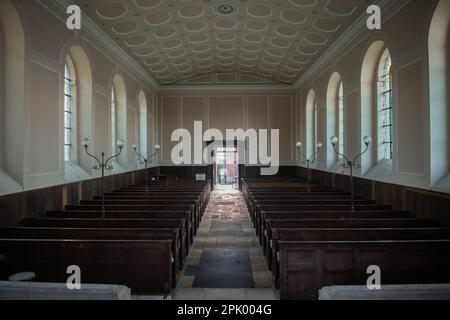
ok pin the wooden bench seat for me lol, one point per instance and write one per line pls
(305, 267)
(142, 265)
(103, 234)
(131, 215)
(320, 213)
(325, 215)
(193, 216)
(352, 234)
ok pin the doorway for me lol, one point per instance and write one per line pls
(226, 169)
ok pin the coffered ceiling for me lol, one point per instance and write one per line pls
(178, 41)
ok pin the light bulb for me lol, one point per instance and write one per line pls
(334, 140)
(120, 144)
(299, 144)
(319, 146)
(86, 142)
(157, 147)
(367, 140)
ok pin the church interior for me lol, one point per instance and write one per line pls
(225, 150)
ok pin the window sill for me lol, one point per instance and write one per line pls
(382, 171)
(74, 173)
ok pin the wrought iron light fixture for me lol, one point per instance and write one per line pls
(103, 164)
(351, 165)
(308, 161)
(147, 160)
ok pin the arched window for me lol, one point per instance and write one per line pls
(340, 119)
(311, 124)
(385, 114)
(335, 117)
(439, 86)
(113, 120)
(142, 100)
(316, 127)
(69, 108)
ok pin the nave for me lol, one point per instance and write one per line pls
(180, 240)
(226, 261)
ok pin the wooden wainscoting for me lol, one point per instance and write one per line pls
(34, 203)
(421, 203)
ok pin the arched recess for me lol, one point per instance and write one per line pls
(12, 97)
(311, 138)
(369, 108)
(84, 116)
(120, 121)
(143, 123)
(333, 123)
(439, 68)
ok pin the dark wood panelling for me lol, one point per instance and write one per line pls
(421, 203)
(255, 172)
(34, 203)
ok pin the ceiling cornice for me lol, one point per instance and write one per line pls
(388, 8)
(226, 88)
(99, 35)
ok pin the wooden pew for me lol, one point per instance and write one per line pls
(338, 224)
(142, 265)
(349, 234)
(131, 215)
(181, 208)
(327, 212)
(305, 267)
(102, 234)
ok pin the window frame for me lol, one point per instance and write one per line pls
(385, 107)
(69, 110)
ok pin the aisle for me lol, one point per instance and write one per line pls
(226, 262)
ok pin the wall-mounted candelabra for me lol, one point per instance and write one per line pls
(103, 164)
(351, 165)
(147, 160)
(308, 161)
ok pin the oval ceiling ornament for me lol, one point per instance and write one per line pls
(256, 26)
(293, 17)
(111, 10)
(191, 12)
(165, 33)
(172, 44)
(316, 39)
(226, 25)
(308, 51)
(259, 11)
(145, 52)
(285, 31)
(136, 41)
(340, 8)
(198, 39)
(326, 25)
(158, 18)
(124, 28)
(304, 3)
(147, 4)
(253, 38)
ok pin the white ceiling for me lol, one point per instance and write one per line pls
(179, 40)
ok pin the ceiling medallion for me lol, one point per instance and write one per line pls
(225, 9)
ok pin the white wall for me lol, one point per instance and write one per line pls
(405, 34)
(35, 153)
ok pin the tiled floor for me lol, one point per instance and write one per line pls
(226, 262)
